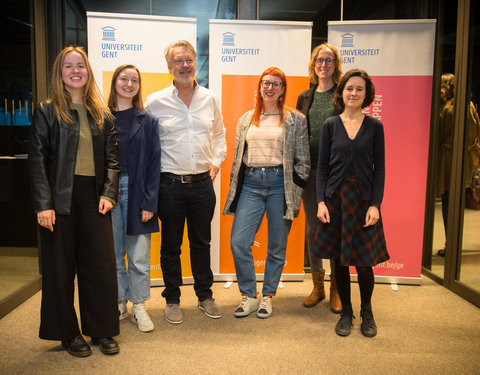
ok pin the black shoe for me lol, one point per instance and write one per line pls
(107, 345)
(345, 324)
(368, 327)
(77, 347)
(441, 252)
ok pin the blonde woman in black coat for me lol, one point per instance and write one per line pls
(74, 175)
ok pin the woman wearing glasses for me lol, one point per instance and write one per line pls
(270, 169)
(325, 69)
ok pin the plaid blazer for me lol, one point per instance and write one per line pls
(296, 162)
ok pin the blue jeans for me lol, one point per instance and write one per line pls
(133, 284)
(262, 192)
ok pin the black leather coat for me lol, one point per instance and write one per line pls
(53, 154)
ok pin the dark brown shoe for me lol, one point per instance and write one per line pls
(335, 302)
(318, 292)
(77, 347)
(107, 345)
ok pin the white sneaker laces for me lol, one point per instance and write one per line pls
(244, 300)
(263, 304)
(141, 312)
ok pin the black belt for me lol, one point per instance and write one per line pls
(186, 178)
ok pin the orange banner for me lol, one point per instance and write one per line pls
(238, 96)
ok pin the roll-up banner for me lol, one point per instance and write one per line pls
(398, 55)
(239, 53)
(115, 39)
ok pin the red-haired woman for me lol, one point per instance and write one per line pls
(270, 169)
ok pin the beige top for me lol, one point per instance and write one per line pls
(264, 145)
(84, 165)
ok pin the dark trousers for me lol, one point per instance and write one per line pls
(81, 243)
(194, 202)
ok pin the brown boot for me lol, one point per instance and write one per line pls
(318, 292)
(335, 302)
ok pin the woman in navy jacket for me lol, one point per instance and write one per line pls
(135, 215)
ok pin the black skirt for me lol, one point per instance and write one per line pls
(345, 238)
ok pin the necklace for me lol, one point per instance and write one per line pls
(270, 114)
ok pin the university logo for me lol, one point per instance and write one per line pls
(228, 39)
(230, 52)
(347, 40)
(108, 33)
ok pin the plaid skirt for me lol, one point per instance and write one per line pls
(345, 239)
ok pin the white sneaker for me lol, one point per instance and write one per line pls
(265, 309)
(140, 317)
(247, 306)
(122, 310)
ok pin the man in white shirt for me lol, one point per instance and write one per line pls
(193, 146)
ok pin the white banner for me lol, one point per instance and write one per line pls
(116, 39)
(398, 55)
(239, 53)
(385, 48)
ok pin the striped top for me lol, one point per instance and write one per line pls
(264, 145)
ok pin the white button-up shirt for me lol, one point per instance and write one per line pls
(191, 138)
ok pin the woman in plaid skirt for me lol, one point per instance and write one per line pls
(350, 184)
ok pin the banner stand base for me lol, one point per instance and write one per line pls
(393, 280)
(230, 278)
(285, 277)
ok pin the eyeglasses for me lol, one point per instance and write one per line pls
(182, 62)
(328, 61)
(267, 84)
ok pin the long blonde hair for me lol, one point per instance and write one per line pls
(60, 97)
